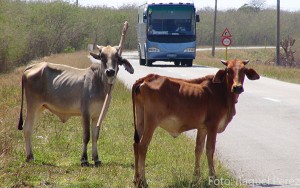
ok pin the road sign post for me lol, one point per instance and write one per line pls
(226, 40)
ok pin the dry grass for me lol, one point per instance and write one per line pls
(78, 59)
(57, 146)
(10, 99)
(260, 60)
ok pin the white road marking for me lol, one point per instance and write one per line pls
(273, 100)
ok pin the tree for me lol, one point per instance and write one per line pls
(257, 4)
(288, 56)
(253, 5)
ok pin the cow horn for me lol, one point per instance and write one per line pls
(124, 31)
(246, 62)
(224, 62)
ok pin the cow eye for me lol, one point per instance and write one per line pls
(103, 58)
(229, 71)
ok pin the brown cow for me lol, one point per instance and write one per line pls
(176, 105)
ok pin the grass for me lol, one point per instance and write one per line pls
(257, 61)
(57, 146)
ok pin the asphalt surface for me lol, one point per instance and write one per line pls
(261, 145)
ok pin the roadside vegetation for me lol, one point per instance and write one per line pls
(57, 146)
(33, 29)
(36, 29)
(259, 60)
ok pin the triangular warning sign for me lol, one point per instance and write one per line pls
(226, 33)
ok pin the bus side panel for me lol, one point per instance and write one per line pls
(141, 32)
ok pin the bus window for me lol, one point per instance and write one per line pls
(166, 20)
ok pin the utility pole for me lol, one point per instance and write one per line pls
(77, 3)
(278, 34)
(214, 34)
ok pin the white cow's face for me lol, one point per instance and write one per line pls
(110, 60)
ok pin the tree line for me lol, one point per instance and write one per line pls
(248, 26)
(30, 30)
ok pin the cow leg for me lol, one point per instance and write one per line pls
(138, 133)
(143, 147)
(28, 123)
(210, 149)
(85, 138)
(95, 136)
(136, 162)
(31, 115)
(200, 141)
(142, 152)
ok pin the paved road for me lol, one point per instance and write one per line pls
(261, 146)
(237, 48)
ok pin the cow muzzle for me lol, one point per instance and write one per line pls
(238, 89)
(110, 72)
(111, 75)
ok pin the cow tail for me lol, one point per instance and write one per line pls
(20, 126)
(135, 87)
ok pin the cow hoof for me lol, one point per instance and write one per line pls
(85, 164)
(141, 184)
(98, 163)
(29, 158)
(197, 173)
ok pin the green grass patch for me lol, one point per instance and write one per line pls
(57, 148)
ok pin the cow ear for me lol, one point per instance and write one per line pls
(100, 48)
(219, 77)
(127, 65)
(96, 56)
(252, 74)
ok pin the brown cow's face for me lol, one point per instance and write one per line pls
(110, 60)
(234, 75)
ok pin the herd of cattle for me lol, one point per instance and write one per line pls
(176, 105)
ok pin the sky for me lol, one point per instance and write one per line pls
(290, 5)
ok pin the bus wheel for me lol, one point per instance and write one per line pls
(176, 63)
(189, 63)
(148, 63)
(142, 61)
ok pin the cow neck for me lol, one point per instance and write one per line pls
(100, 78)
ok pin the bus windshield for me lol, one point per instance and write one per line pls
(171, 20)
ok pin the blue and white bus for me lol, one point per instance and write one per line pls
(166, 31)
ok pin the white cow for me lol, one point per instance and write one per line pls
(67, 91)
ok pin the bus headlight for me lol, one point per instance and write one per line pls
(190, 50)
(153, 50)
